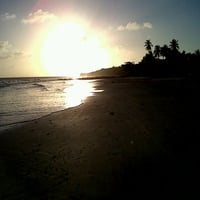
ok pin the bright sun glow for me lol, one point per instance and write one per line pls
(69, 50)
(78, 92)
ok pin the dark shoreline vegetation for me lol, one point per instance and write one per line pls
(158, 62)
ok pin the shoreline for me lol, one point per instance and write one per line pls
(136, 136)
(23, 115)
(9, 127)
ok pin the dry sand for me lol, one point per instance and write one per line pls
(138, 137)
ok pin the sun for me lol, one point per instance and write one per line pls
(69, 49)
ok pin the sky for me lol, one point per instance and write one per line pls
(66, 37)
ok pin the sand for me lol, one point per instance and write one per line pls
(138, 137)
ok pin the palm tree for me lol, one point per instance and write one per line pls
(174, 46)
(157, 51)
(148, 45)
(164, 51)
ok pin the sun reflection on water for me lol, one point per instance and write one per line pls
(78, 91)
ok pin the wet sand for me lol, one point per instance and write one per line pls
(138, 137)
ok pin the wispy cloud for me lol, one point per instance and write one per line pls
(134, 26)
(8, 51)
(147, 25)
(7, 16)
(38, 17)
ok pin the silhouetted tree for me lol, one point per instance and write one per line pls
(148, 45)
(197, 53)
(128, 68)
(196, 63)
(164, 51)
(174, 46)
(157, 51)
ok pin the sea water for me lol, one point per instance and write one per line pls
(24, 99)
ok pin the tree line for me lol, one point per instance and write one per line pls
(168, 60)
(159, 61)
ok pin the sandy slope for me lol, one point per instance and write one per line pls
(138, 137)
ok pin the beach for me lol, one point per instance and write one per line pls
(137, 137)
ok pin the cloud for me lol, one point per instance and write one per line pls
(134, 26)
(8, 51)
(147, 25)
(5, 48)
(38, 17)
(7, 16)
(4, 45)
(131, 26)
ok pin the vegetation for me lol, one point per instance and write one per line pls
(160, 61)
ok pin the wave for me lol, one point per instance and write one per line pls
(7, 82)
(3, 84)
(35, 81)
(40, 86)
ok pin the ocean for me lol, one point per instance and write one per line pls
(25, 99)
